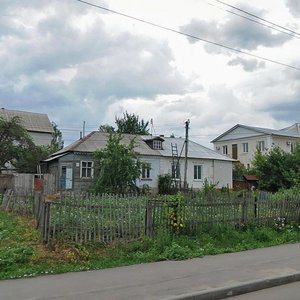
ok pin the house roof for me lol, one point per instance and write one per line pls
(98, 140)
(260, 130)
(251, 177)
(195, 150)
(31, 121)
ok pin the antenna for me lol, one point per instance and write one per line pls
(83, 129)
(151, 123)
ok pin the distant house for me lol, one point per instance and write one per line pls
(241, 142)
(74, 164)
(37, 125)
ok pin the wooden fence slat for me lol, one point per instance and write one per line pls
(105, 218)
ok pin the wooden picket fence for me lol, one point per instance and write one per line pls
(83, 217)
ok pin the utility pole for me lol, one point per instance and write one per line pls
(187, 123)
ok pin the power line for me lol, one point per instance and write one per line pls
(189, 35)
(257, 17)
(254, 21)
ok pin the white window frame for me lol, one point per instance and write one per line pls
(245, 147)
(157, 144)
(261, 145)
(197, 173)
(146, 171)
(86, 167)
(225, 150)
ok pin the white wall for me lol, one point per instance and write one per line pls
(154, 163)
(219, 172)
(41, 138)
(223, 173)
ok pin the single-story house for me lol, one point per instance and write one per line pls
(74, 164)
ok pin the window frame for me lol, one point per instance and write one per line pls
(260, 145)
(196, 172)
(225, 149)
(245, 147)
(87, 168)
(157, 144)
(175, 172)
(146, 171)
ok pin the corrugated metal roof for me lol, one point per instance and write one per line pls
(97, 140)
(31, 121)
(195, 150)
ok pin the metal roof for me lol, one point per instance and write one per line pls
(281, 132)
(195, 150)
(98, 140)
(31, 121)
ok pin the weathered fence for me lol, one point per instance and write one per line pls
(83, 217)
(25, 184)
(22, 204)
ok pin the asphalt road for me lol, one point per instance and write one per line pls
(284, 292)
(166, 279)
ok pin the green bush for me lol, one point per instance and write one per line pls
(176, 252)
(11, 257)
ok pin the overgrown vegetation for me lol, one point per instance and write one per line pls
(129, 123)
(18, 149)
(277, 169)
(165, 184)
(23, 255)
(116, 166)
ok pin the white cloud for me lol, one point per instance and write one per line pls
(76, 63)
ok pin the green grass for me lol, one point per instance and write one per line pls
(23, 255)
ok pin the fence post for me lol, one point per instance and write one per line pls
(46, 221)
(149, 219)
(244, 209)
(38, 206)
(255, 207)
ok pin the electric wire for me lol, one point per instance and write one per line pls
(189, 35)
(254, 21)
(257, 17)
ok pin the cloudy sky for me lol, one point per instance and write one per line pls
(79, 63)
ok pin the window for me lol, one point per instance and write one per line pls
(225, 150)
(157, 144)
(176, 170)
(86, 170)
(293, 146)
(145, 172)
(197, 172)
(245, 147)
(261, 145)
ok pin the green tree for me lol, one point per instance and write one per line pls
(56, 142)
(18, 149)
(14, 140)
(130, 123)
(294, 162)
(274, 169)
(29, 158)
(239, 170)
(106, 128)
(116, 167)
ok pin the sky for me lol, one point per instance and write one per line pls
(80, 64)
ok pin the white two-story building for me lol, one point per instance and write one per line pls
(241, 142)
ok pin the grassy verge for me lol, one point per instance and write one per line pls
(23, 255)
